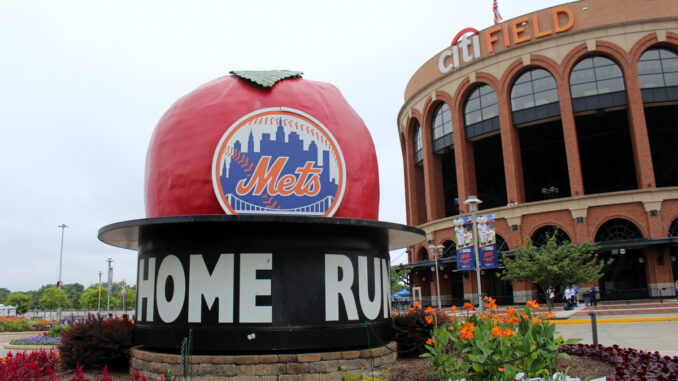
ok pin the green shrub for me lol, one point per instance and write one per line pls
(96, 343)
(57, 330)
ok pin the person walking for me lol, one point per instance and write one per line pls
(593, 296)
(568, 298)
(575, 293)
(675, 286)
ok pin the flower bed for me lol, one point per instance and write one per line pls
(21, 324)
(630, 363)
(37, 340)
(493, 346)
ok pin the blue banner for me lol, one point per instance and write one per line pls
(464, 236)
(489, 259)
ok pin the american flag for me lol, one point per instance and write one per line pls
(497, 16)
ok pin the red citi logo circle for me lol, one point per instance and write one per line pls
(279, 161)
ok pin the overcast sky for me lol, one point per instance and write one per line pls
(83, 84)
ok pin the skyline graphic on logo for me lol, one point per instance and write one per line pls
(278, 161)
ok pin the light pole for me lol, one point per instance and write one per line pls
(437, 250)
(61, 253)
(99, 302)
(110, 285)
(472, 201)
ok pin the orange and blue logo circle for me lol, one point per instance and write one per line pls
(279, 161)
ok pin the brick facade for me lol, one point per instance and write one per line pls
(621, 36)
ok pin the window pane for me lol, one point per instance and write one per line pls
(670, 65)
(525, 77)
(542, 84)
(586, 63)
(649, 67)
(607, 72)
(472, 105)
(665, 53)
(652, 54)
(599, 61)
(540, 73)
(545, 97)
(490, 112)
(581, 76)
(485, 89)
(473, 117)
(488, 99)
(522, 103)
(417, 139)
(671, 79)
(610, 86)
(583, 90)
(651, 80)
(521, 89)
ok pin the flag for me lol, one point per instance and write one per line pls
(497, 16)
(123, 291)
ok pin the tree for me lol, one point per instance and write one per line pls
(53, 298)
(73, 291)
(89, 299)
(20, 300)
(399, 277)
(555, 264)
(4, 293)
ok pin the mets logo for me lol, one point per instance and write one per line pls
(279, 161)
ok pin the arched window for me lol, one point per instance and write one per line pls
(423, 254)
(441, 127)
(657, 70)
(418, 154)
(450, 249)
(541, 236)
(481, 112)
(618, 229)
(502, 246)
(597, 83)
(673, 230)
(534, 96)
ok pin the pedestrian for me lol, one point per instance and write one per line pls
(593, 296)
(550, 294)
(568, 298)
(575, 294)
(675, 286)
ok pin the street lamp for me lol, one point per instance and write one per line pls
(437, 250)
(99, 302)
(61, 253)
(472, 201)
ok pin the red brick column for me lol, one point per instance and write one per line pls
(658, 271)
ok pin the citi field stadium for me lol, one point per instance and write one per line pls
(562, 120)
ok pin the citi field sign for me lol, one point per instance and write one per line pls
(260, 233)
(466, 45)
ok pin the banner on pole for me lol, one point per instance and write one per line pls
(464, 236)
(487, 245)
(110, 281)
(123, 291)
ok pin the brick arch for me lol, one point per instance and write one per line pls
(545, 224)
(431, 106)
(426, 113)
(603, 48)
(409, 126)
(641, 227)
(517, 68)
(650, 41)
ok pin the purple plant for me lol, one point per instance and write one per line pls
(629, 363)
(37, 340)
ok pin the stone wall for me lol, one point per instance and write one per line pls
(318, 366)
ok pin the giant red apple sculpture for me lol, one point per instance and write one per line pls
(262, 143)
